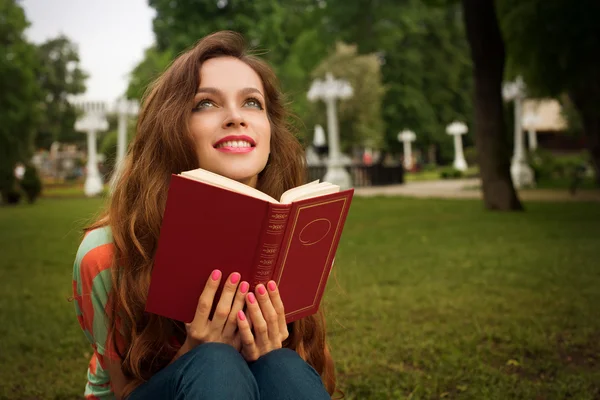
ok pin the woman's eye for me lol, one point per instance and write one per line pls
(254, 103)
(203, 104)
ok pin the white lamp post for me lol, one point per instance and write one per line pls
(521, 172)
(92, 121)
(457, 129)
(407, 137)
(329, 90)
(124, 109)
(530, 120)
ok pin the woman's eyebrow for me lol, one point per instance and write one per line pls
(250, 90)
(210, 90)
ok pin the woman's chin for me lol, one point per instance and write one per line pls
(245, 177)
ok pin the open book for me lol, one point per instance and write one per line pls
(213, 222)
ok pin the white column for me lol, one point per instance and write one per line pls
(532, 139)
(530, 121)
(407, 137)
(521, 172)
(125, 109)
(329, 91)
(93, 182)
(457, 129)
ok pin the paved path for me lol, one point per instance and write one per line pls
(468, 189)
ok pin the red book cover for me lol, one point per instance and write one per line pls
(306, 255)
(205, 228)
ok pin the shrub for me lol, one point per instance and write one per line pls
(31, 183)
(547, 166)
(450, 173)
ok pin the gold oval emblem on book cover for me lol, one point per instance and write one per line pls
(314, 231)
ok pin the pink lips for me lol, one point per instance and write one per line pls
(232, 138)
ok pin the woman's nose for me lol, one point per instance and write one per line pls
(234, 118)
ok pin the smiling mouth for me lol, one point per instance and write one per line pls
(234, 144)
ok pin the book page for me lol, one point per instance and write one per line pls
(309, 191)
(223, 182)
(292, 192)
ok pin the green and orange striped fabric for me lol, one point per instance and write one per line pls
(91, 288)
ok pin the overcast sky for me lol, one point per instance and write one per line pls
(111, 35)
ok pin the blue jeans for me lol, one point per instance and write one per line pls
(215, 371)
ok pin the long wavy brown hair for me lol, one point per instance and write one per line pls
(162, 146)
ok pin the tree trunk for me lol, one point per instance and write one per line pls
(487, 53)
(587, 102)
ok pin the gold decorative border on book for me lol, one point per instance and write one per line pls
(278, 279)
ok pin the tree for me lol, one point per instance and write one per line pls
(290, 36)
(19, 94)
(153, 64)
(59, 77)
(360, 116)
(487, 51)
(554, 46)
(426, 64)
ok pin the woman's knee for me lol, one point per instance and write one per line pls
(283, 374)
(282, 360)
(216, 370)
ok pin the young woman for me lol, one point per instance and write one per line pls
(218, 108)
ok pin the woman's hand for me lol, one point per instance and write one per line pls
(266, 314)
(222, 326)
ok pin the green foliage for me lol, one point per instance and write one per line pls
(548, 166)
(450, 173)
(572, 117)
(470, 154)
(426, 64)
(552, 44)
(31, 183)
(59, 76)
(360, 116)
(19, 93)
(153, 64)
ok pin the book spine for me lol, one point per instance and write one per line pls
(269, 244)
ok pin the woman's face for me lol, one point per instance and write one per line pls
(229, 121)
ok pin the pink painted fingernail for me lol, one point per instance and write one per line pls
(261, 290)
(241, 315)
(251, 298)
(272, 286)
(216, 274)
(235, 278)
(244, 287)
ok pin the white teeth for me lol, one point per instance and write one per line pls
(234, 143)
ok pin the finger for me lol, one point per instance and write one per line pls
(207, 297)
(268, 312)
(238, 304)
(261, 333)
(279, 309)
(225, 302)
(245, 334)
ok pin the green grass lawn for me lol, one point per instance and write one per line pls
(430, 299)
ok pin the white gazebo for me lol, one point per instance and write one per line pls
(92, 120)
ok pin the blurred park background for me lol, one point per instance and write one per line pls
(470, 265)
